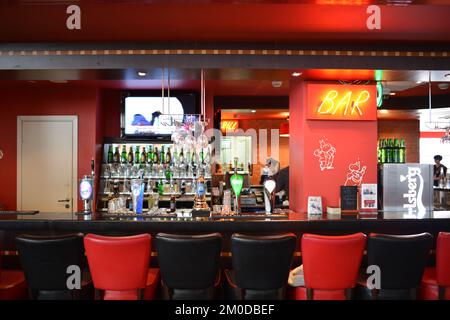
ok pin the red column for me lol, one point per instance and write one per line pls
(350, 144)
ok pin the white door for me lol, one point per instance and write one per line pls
(47, 165)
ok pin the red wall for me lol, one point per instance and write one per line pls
(50, 99)
(352, 140)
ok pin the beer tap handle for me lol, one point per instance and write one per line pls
(92, 167)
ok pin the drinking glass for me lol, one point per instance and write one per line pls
(153, 201)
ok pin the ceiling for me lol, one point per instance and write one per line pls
(231, 81)
(248, 21)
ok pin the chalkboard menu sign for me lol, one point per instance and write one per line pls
(349, 198)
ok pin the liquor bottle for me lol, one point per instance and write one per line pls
(175, 156)
(383, 150)
(160, 187)
(156, 156)
(137, 155)
(130, 156)
(183, 187)
(181, 156)
(193, 165)
(202, 156)
(402, 153)
(396, 150)
(162, 156)
(123, 155)
(188, 156)
(173, 203)
(143, 156)
(117, 156)
(150, 154)
(389, 151)
(379, 151)
(169, 157)
(110, 154)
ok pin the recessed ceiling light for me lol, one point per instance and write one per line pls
(277, 84)
(253, 111)
(296, 74)
(392, 93)
(419, 82)
(142, 73)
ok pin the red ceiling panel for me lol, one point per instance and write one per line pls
(143, 21)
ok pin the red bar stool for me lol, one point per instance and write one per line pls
(436, 281)
(120, 267)
(330, 265)
(12, 285)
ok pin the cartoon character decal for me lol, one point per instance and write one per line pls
(355, 174)
(326, 153)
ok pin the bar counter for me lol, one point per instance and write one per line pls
(382, 222)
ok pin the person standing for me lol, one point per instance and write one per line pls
(439, 170)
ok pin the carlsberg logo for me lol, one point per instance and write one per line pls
(413, 198)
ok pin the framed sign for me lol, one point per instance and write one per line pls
(341, 102)
(349, 198)
(369, 196)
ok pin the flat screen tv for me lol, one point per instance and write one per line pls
(145, 114)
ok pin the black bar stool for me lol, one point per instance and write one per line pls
(45, 261)
(261, 266)
(189, 265)
(402, 260)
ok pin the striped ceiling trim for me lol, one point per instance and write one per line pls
(246, 52)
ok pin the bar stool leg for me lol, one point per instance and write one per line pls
(374, 294)
(141, 294)
(309, 293)
(97, 294)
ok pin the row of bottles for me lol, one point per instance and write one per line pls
(153, 155)
(391, 151)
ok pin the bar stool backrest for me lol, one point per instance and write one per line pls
(189, 261)
(443, 259)
(118, 263)
(262, 262)
(45, 259)
(401, 258)
(332, 262)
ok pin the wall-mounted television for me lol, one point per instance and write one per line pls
(146, 114)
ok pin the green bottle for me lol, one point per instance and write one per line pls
(116, 156)
(137, 156)
(396, 150)
(402, 151)
(162, 156)
(156, 156)
(130, 156)
(110, 154)
(143, 156)
(160, 187)
(389, 154)
(383, 150)
(149, 154)
(123, 155)
(169, 156)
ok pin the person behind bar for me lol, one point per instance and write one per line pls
(439, 170)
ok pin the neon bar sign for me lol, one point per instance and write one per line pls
(228, 125)
(349, 106)
(341, 102)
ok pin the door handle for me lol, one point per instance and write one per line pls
(64, 200)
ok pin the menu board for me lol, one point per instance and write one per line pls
(349, 198)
